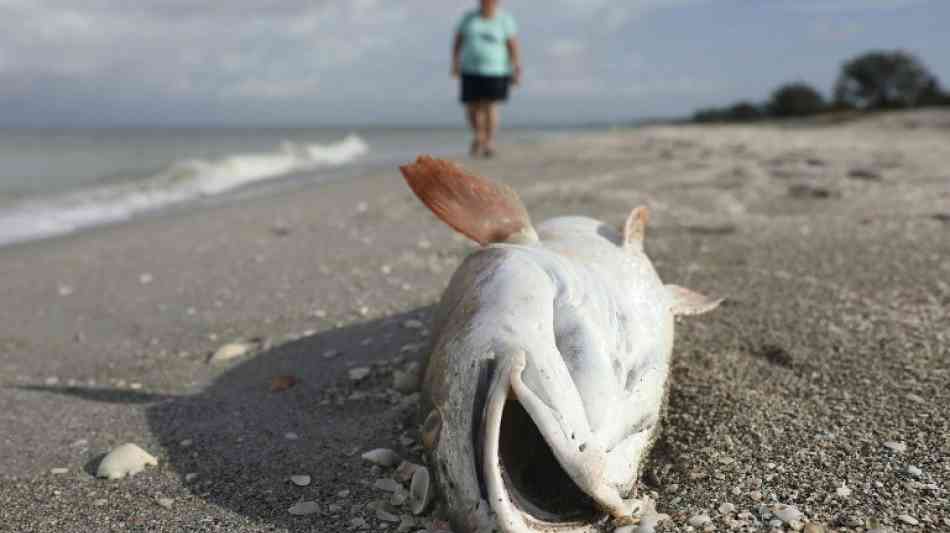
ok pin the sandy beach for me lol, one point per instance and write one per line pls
(822, 383)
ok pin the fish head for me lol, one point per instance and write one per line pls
(549, 365)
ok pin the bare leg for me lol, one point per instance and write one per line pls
(490, 127)
(472, 111)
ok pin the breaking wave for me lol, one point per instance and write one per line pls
(29, 219)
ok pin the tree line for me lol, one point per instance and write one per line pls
(875, 80)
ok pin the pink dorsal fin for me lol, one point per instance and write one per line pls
(476, 207)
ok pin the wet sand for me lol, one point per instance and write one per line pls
(831, 243)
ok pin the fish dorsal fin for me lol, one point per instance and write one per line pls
(477, 207)
(634, 229)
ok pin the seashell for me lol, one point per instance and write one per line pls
(304, 508)
(382, 456)
(420, 491)
(550, 358)
(786, 513)
(301, 480)
(230, 351)
(359, 373)
(125, 460)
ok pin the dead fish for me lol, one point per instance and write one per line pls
(550, 362)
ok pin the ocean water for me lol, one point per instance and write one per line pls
(57, 181)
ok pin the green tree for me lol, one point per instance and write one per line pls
(932, 95)
(881, 80)
(796, 100)
(744, 111)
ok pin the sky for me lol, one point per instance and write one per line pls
(386, 62)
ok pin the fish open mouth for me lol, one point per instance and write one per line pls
(534, 479)
(521, 475)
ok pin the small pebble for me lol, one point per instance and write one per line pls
(786, 513)
(727, 508)
(290, 435)
(65, 290)
(405, 471)
(185, 443)
(300, 480)
(190, 476)
(304, 508)
(145, 278)
(412, 324)
(843, 491)
(383, 457)
(229, 351)
(359, 373)
(58, 471)
(907, 519)
(330, 354)
(282, 383)
(699, 520)
(898, 447)
(165, 502)
(914, 471)
(388, 485)
(399, 497)
(385, 515)
(915, 398)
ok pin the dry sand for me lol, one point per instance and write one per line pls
(832, 244)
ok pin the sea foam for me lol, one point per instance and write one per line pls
(36, 218)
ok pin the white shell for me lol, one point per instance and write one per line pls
(420, 491)
(230, 351)
(383, 457)
(304, 508)
(127, 459)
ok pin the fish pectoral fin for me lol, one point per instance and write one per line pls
(690, 302)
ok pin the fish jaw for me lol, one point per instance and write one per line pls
(583, 469)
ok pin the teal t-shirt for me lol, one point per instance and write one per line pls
(485, 43)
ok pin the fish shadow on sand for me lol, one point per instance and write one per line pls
(241, 441)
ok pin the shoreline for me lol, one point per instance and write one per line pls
(826, 242)
(282, 184)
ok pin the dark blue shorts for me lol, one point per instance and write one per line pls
(485, 88)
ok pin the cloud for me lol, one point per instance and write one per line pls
(842, 6)
(339, 60)
(835, 30)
